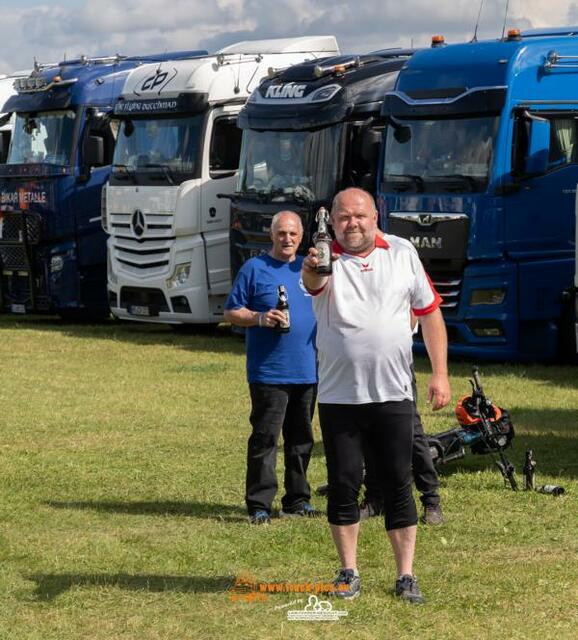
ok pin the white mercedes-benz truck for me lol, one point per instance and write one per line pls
(177, 149)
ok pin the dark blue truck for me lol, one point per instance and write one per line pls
(52, 245)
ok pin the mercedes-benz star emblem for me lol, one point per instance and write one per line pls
(138, 223)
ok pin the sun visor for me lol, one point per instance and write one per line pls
(448, 103)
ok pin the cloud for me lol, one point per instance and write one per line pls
(51, 29)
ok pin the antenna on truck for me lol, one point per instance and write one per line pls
(475, 37)
(505, 18)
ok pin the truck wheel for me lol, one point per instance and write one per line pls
(191, 329)
(83, 316)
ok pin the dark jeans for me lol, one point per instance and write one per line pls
(350, 430)
(287, 409)
(424, 473)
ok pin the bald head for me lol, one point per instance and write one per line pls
(286, 235)
(354, 194)
(354, 220)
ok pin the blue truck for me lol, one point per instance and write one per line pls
(479, 170)
(52, 245)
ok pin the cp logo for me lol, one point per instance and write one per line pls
(154, 81)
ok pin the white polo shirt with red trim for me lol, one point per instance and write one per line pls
(364, 337)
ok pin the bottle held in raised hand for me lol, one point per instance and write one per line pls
(322, 241)
(283, 306)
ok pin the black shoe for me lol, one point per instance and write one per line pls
(432, 514)
(346, 585)
(322, 490)
(260, 517)
(304, 510)
(369, 509)
(407, 588)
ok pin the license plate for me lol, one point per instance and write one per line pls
(139, 310)
(18, 308)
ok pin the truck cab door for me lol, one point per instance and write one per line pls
(220, 166)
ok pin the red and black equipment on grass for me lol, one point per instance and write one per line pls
(484, 427)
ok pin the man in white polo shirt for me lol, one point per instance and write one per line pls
(365, 395)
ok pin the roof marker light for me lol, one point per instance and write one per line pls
(514, 34)
(438, 41)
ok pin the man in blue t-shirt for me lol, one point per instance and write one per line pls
(281, 370)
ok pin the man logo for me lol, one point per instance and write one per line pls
(423, 242)
(426, 220)
(285, 90)
(138, 223)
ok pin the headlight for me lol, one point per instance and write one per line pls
(180, 276)
(487, 296)
(325, 93)
(103, 216)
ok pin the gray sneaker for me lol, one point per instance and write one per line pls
(408, 589)
(433, 515)
(346, 585)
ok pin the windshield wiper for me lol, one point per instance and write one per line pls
(415, 179)
(169, 175)
(125, 171)
(471, 181)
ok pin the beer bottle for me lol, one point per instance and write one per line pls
(322, 242)
(283, 306)
(529, 471)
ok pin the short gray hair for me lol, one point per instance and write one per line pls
(275, 219)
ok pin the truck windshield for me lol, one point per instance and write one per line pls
(290, 165)
(439, 155)
(42, 138)
(158, 149)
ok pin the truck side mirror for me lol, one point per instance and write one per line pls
(370, 145)
(93, 151)
(538, 146)
(3, 147)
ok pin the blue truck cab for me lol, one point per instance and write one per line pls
(52, 245)
(479, 171)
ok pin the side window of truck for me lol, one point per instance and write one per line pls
(563, 142)
(225, 148)
(106, 129)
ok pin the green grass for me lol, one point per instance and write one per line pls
(122, 461)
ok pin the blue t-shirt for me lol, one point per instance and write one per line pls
(272, 357)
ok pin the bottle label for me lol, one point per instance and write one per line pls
(323, 254)
(287, 322)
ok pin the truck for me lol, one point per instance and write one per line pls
(177, 150)
(308, 131)
(52, 246)
(479, 171)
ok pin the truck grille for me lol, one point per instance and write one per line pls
(142, 250)
(449, 287)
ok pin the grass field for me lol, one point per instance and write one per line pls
(121, 503)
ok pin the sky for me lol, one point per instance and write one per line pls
(51, 30)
